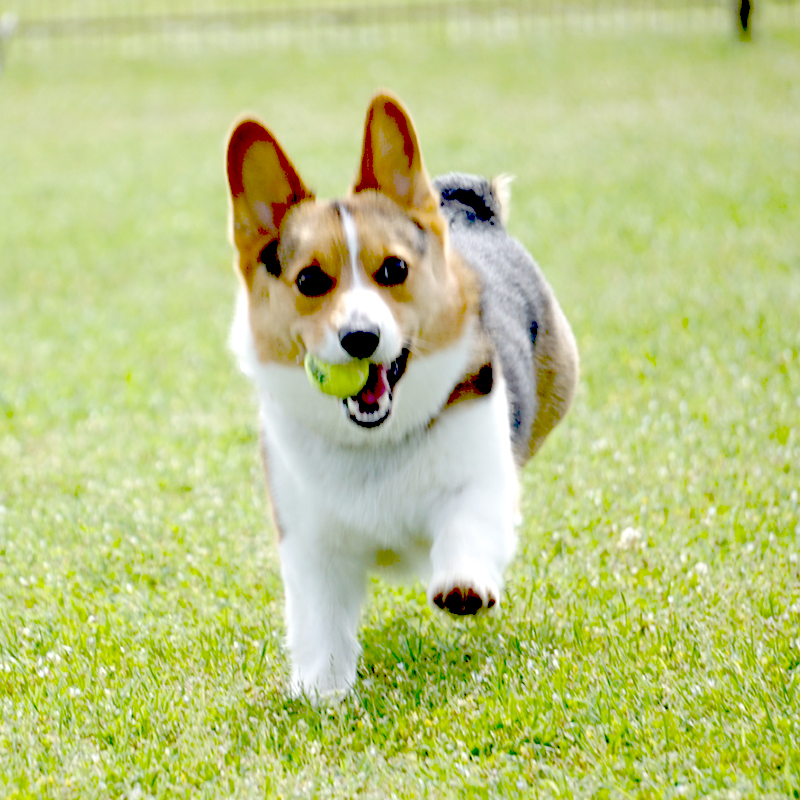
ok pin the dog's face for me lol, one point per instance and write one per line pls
(365, 277)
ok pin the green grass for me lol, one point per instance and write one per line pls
(649, 642)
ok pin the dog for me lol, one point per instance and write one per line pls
(471, 363)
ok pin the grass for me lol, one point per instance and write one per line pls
(650, 639)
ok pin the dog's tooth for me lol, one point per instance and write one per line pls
(384, 404)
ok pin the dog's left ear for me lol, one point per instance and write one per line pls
(391, 162)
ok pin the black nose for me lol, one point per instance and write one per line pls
(360, 343)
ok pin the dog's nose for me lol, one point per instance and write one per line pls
(360, 343)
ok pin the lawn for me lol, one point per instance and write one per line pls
(649, 641)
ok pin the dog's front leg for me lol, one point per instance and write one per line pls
(473, 535)
(324, 591)
(472, 548)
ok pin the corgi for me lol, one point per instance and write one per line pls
(471, 363)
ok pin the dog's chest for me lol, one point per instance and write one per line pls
(386, 495)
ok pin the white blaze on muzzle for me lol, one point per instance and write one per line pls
(365, 328)
(362, 307)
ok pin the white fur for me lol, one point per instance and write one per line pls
(351, 237)
(438, 499)
(284, 390)
(362, 305)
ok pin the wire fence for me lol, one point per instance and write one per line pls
(144, 24)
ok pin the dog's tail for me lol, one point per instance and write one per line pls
(474, 199)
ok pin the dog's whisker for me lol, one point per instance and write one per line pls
(420, 347)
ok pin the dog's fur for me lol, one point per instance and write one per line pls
(474, 364)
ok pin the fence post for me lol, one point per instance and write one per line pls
(745, 19)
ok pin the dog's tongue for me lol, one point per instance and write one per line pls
(375, 387)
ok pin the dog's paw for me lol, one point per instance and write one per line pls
(324, 680)
(320, 691)
(463, 597)
(317, 697)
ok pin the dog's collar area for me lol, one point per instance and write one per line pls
(373, 404)
(476, 384)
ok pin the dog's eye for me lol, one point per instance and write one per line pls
(269, 258)
(313, 282)
(392, 272)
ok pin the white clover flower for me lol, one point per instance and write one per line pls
(629, 539)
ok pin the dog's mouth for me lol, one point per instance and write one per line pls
(373, 404)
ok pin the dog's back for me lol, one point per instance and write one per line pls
(536, 348)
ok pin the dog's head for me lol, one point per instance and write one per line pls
(367, 276)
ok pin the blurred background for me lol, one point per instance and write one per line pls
(233, 23)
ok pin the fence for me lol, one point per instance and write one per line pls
(147, 23)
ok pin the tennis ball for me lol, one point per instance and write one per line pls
(339, 380)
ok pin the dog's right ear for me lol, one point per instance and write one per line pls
(391, 161)
(263, 183)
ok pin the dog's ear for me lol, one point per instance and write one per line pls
(263, 182)
(391, 162)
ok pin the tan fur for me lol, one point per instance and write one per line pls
(501, 189)
(440, 294)
(475, 385)
(391, 162)
(396, 212)
(556, 354)
(557, 368)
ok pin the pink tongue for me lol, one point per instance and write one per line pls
(375, 388)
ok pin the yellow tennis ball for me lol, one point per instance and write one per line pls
(339, 380)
